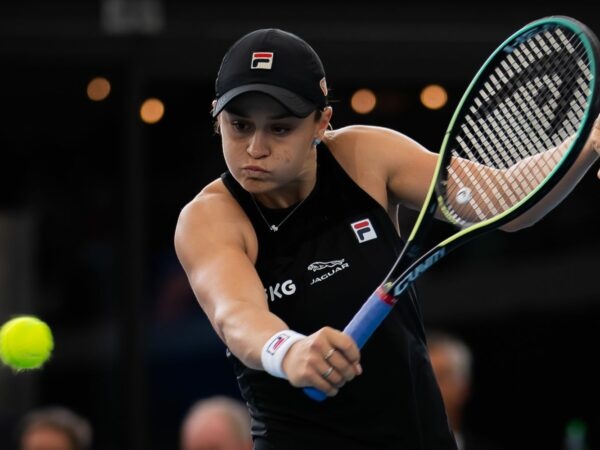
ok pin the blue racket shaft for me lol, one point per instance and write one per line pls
(361, 327)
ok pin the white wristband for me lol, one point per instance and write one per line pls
(275, 350)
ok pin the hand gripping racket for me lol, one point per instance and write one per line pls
(518, 128)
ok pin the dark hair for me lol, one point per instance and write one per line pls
(74, 426)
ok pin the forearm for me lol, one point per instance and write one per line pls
(568, 182)
(219, 263)
(495, 190)
(244, 328)
(233, 298)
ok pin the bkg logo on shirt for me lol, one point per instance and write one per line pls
(363, 230)
(280, 289)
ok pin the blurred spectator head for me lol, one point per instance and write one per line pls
(54, 428)
(451, 360)
(216, 423)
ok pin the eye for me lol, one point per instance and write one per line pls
(241, 126)
(281, 129)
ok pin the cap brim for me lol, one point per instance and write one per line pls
(298, 106)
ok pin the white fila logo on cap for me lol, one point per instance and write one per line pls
(323, 86)
(363, 230)
(262, 60)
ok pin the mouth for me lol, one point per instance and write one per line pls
(254, 170)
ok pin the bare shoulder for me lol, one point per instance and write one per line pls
(211, 218)
(377, 149)
(367, 137)
(387, 164)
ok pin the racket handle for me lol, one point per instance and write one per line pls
(361, 327)
(369, 317)
(315, 394)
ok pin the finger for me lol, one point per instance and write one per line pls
(346, 369)
(329, 354)
(350, 353)
(332, 376)
(346, 346)
(329, 339)
(323, 383)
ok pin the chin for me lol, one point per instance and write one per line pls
(255, 186)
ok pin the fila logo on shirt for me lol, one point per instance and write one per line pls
(363, 230)
(262, 60)
(279, 290)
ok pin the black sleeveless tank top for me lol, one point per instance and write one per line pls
(327, 257)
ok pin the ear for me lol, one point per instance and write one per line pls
(324, 121)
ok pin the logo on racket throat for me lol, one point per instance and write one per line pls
(417, 271)
(363, 230)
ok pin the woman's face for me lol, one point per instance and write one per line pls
(266, 148)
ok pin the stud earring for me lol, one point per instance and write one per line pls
(316, 141)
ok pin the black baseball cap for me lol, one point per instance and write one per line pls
(276, 63)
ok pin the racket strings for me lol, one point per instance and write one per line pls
(510, 140)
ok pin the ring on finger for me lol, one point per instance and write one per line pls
(329, 353)
(327, 372)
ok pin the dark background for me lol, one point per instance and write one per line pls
(89, 198)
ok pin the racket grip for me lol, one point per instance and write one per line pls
(361, 327)
(369, 317)
(315, 394)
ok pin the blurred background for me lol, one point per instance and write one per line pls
(106, 135)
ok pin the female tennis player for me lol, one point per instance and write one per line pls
(283, 249)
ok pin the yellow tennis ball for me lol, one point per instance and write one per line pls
(26, 342)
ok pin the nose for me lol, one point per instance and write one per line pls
(258, 146)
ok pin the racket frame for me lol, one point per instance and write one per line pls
(408, 267)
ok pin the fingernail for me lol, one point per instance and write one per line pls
(359, 369)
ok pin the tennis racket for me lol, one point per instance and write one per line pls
(518, 128)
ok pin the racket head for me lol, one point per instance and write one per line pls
(536, 89)
(400, 277)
